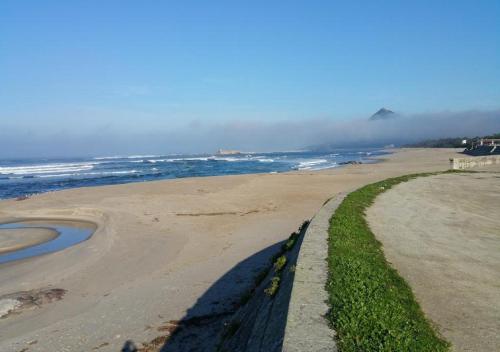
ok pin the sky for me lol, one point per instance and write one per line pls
(104, 77)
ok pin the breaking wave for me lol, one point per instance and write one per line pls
(19, 177)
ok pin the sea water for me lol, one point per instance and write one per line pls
(19, 177)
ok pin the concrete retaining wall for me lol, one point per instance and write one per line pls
(467, 163)
(293, 319)
(260, 323)
(306, 327)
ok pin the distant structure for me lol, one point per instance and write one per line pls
(383, 114)
(228, 152)
(484, 146)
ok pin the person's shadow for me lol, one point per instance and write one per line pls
(201, 327)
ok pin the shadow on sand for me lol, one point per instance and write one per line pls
(200, 328)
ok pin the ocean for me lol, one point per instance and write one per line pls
(21, 177)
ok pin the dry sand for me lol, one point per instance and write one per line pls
(442, 233)
(15, 239)
(165, 249)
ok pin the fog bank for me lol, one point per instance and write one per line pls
(203, 137)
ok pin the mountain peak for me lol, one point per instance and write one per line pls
(383, 114)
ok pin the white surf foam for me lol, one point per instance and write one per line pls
(143, 156)
(126, 157)
(171, 160)
(47, 168)
(102, 173)
(308, 164)
(109, 157)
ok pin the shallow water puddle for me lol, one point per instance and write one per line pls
(70, 233)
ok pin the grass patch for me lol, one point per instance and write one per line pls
(290, 243)
(372, 307)
(273, 286)
(280, 263)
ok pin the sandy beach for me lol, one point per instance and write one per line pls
(167, 249)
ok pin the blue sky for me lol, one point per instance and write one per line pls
(86, 67)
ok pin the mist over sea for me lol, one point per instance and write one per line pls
(20, 177)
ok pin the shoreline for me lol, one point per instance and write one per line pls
(368, 159)
(191, 264)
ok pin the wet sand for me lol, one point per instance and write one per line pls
(167, 248)
(15, 239)
(442, 233)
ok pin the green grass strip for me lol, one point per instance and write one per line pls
(372, 307)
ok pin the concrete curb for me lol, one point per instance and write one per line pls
(306, 327)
